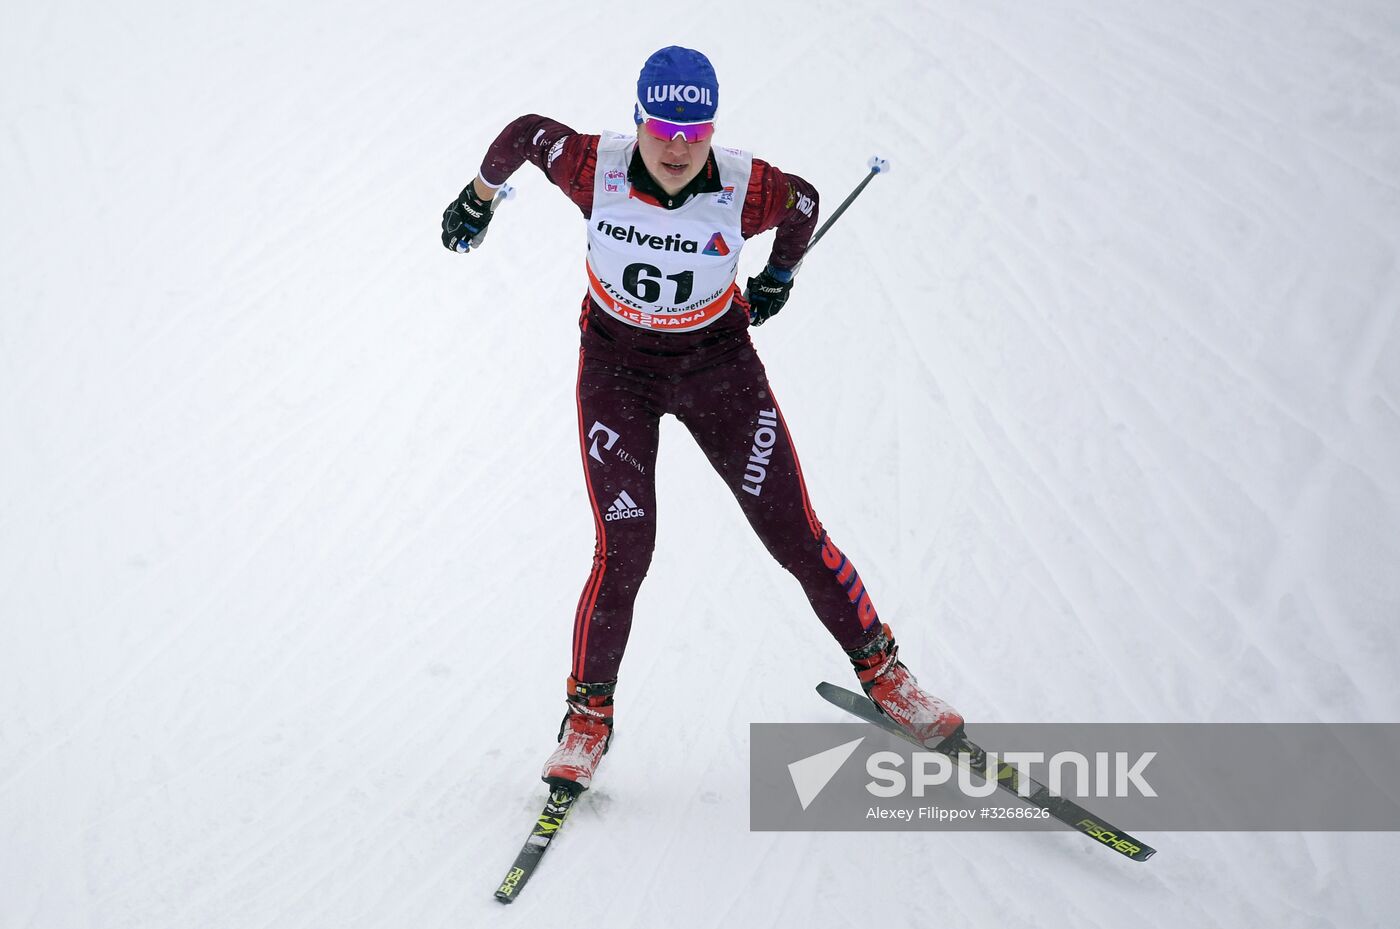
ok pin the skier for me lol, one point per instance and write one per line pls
(665, 330)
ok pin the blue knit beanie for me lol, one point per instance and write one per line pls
(679, 85)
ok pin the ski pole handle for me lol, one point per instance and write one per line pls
(503, 193)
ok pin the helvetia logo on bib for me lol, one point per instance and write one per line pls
(717, 246)
(630, 235)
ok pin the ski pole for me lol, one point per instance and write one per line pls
(878, 165)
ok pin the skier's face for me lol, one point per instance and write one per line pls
(672, 163)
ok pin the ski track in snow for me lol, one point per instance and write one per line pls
(1100, 389)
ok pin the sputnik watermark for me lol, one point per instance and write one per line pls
(1137, 776)
(1116, 771)
(810, 775)
(944, 814)
(1114, 774)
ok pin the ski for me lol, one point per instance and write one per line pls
(964, 751)
(562, 797)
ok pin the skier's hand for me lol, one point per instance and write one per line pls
(767, 293)
(465, 219)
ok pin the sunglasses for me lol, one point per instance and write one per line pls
(666, 130)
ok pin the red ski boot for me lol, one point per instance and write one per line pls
(583, 735)
(895, 691)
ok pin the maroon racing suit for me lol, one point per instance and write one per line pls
(711, 380)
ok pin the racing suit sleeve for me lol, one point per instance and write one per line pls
(785, 202)
(566, 157)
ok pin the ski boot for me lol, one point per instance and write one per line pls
(888, 683)
(584, 735)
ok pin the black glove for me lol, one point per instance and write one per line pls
(767, 293)
(464, 221)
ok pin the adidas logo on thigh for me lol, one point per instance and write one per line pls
(624, 507)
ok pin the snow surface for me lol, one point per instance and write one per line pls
(1100, 388)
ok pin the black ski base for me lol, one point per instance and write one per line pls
(562, 797)
(964, 751)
